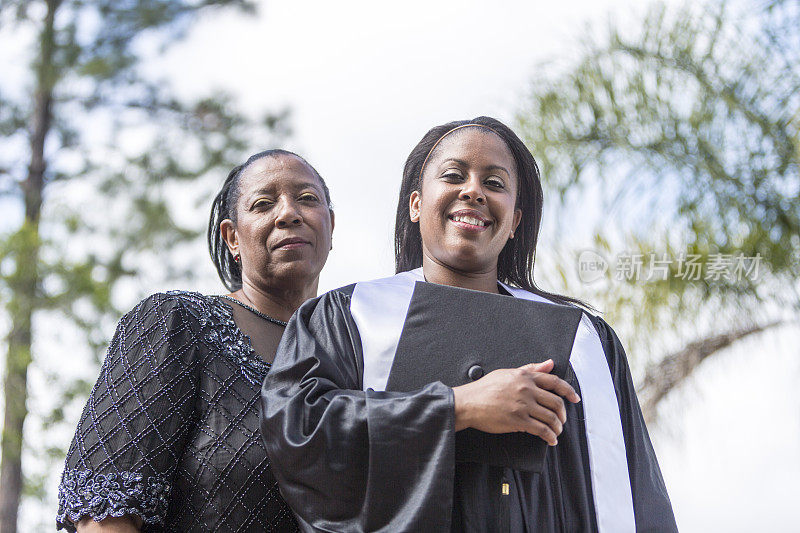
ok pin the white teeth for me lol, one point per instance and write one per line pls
(469, 220)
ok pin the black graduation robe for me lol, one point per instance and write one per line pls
(350, 456)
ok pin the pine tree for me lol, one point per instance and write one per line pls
(92, 156)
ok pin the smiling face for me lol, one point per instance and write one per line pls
(467, 206)
(283, 224)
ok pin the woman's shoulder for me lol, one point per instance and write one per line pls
(396, 286)
(334, 301)
(602, 327)
(160, 326)
(179, 305)
(175, 299)
(380, 290)
(167, 323)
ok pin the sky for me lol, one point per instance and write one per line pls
(365, 80)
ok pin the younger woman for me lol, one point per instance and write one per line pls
(350, 456)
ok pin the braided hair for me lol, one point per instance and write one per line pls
(224, 207)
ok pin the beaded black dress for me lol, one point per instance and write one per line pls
(170, 432)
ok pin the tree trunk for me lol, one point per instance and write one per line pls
(24, 283)
(16, 377)
(674, 369)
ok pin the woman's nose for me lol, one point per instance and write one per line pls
(472, 191)
(288, 215)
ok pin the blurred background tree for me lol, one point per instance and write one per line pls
(101, 176)
(683, 127)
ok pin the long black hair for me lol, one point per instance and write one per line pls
(516, 260)
(224, 207)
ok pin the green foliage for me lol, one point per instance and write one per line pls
(689, 127)
(124, 161)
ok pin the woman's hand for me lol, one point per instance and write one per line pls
(526, 399)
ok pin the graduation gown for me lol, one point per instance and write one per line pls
(350, 456)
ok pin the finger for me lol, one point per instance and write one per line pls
(552, 402)
(557, 385)
(547, 417)
(534, 427)
(544, 366)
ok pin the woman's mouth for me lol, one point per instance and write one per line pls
(291, 244)
(469, 221)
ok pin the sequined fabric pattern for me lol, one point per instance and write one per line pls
(170, 432)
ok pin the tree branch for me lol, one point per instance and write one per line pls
(662, 377)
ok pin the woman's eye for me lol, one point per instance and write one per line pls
(452, 176)
(309, 198)
(262, 202)
(493, 182)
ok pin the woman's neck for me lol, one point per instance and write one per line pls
(280, 304)
(436, 272)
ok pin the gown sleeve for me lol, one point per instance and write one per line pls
(347, 459)
(651, 505)
(131, 434)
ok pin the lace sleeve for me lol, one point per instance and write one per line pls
(132, 431)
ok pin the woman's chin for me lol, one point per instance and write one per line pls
(466, 259)
(293, 273)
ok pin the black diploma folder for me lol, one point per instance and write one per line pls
(457, 335)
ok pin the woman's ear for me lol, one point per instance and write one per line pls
(413, 206)
(333, 223)
(228, 232)
(517, 220)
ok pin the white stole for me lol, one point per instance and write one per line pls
(379, 308)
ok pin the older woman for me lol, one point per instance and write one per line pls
(169, 439)
(353, 454)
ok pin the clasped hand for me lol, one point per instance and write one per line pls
(527, 398)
